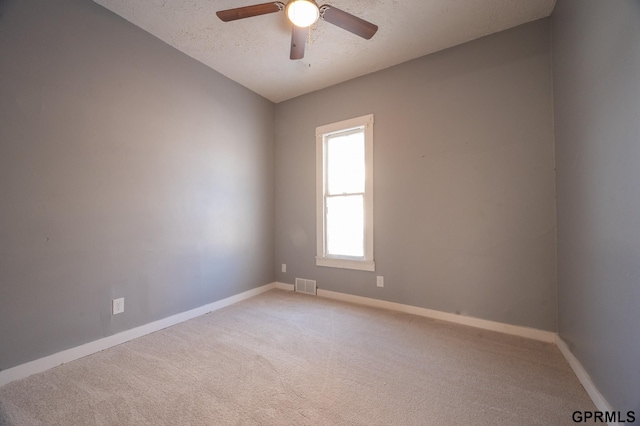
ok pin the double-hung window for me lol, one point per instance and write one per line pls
(344, 153)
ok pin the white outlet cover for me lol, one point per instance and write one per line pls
(117, 306)
(380, 281)
(284, 267)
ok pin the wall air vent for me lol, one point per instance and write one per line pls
(306, 286)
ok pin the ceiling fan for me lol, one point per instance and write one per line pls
(302, 14)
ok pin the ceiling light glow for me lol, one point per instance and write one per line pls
(303, 13)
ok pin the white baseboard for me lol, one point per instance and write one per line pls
(39, 365)
(530, 333)
(284, 286)
(599, 401)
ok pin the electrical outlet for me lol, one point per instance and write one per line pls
(380, 281)
(117, 306)
(284, 267)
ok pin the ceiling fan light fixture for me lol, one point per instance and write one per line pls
(303, 13)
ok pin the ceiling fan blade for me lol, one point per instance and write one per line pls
(250, 11)
(348, 21)
(298, 40)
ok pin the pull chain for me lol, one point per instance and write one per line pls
(309, 41)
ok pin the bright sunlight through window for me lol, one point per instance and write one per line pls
(345, 196)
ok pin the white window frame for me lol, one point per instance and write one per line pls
(366, 263)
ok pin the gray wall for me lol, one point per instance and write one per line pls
(596, 56)
(463, 174)
(126, 170)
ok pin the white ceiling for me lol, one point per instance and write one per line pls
(255, 51)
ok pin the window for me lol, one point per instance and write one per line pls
(344, 155)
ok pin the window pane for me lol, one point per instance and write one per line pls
(345, 225)
(345, 163)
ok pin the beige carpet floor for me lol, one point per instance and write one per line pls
(284, 358)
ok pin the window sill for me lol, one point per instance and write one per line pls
(361, 265)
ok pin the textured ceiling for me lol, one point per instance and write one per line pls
(255, 51)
